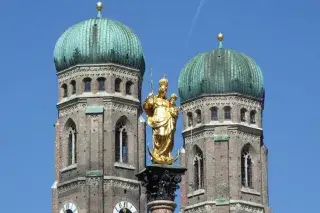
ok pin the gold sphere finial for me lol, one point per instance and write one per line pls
(220, 37)
(99, 6)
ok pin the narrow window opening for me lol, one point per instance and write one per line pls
(87, 85)
(101, 82)
(129, 88)
(72, 149)
(198, 170)
(121, 144)
(227, 113)
(246, 168)
(214, 114)
(65, 90)
(253, 117)
(73, 87)
(190, 122)
(243, 114)
(117, 85)
(198, 112)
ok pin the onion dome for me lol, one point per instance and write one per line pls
(97, 41)
(220, 71)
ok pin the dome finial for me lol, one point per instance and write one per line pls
(99, 8)
(220, 38)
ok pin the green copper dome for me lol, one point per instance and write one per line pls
(220, 71)
(99, 40)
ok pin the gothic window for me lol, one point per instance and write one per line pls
(117, 85)
(243, 114)
(214, 113)
(64, 90)
(198, 169)
(198, 112)
(73, 87)
(253, 117)
(246, 167)
(87, 84)
(190, 122)
(227, 113)
(72, 146)
(129, 88)
(101, 82)
(121, 143)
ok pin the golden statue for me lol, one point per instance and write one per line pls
(162, 117)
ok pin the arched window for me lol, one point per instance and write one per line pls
(64, 90)
(253, 117)
(129, 88)
(198, 112)
(198, 168)
(214, 113)
(87, 84)
(71, 142)
(73, 86)
(121, 142)
(190, 122)
(227, 113)
(101, 82)
(246, 167)
(243, 112)
(117, 85)
(69, 211)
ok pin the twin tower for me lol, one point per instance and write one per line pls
(101, 133)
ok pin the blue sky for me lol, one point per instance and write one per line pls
(282, 36)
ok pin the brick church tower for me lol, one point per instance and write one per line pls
(100, 136)
(222, 95)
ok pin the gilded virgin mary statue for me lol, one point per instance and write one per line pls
(162, 117)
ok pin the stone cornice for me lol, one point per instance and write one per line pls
(110, 104)
(108, 181)
(106, 96)
(245, 133)
(235, 205)
(221, 97)
(97, 70)
(223, 100)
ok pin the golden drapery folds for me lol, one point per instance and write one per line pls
(162, 117)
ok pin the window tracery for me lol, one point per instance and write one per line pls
(198, 169)
(121, 143)
(246, 167)
(72, 146)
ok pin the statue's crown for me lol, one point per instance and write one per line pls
(163, 81)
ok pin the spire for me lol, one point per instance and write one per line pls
(99, 8)
(220, 38)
